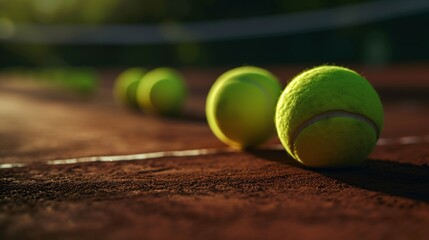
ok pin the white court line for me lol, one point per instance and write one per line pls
(141, 156)
(385, 141)
(130, 157)
(12, 165)
(410, 140)
(194, 152)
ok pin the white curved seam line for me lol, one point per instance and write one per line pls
(328, 115)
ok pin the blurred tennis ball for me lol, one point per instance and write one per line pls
(241, 104)
(125, 87)
(85, 81)
(81, 81)
(162, 91)
(329, 116)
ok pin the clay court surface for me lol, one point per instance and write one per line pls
(216, 194)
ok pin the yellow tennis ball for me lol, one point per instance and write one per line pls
(241, 104)
(162, 91)
(125, 87)
(329, 116)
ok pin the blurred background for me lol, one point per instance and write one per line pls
(182, 33)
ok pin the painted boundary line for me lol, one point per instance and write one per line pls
(193, 152)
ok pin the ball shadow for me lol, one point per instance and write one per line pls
(394, 178)
(399, 179)
(191, 117)
(185, 117)
(278, 156)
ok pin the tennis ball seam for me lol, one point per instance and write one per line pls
(327, 115)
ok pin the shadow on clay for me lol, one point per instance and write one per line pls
(398, 179)
(278, 156)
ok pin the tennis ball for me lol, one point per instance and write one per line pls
(125, 87)
(240, 106)
(329, 116)
(162, 91)
(83, 81)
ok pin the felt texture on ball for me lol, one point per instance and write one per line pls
(125, 88)
(241, 104)
(329, 116)
(162, 91)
